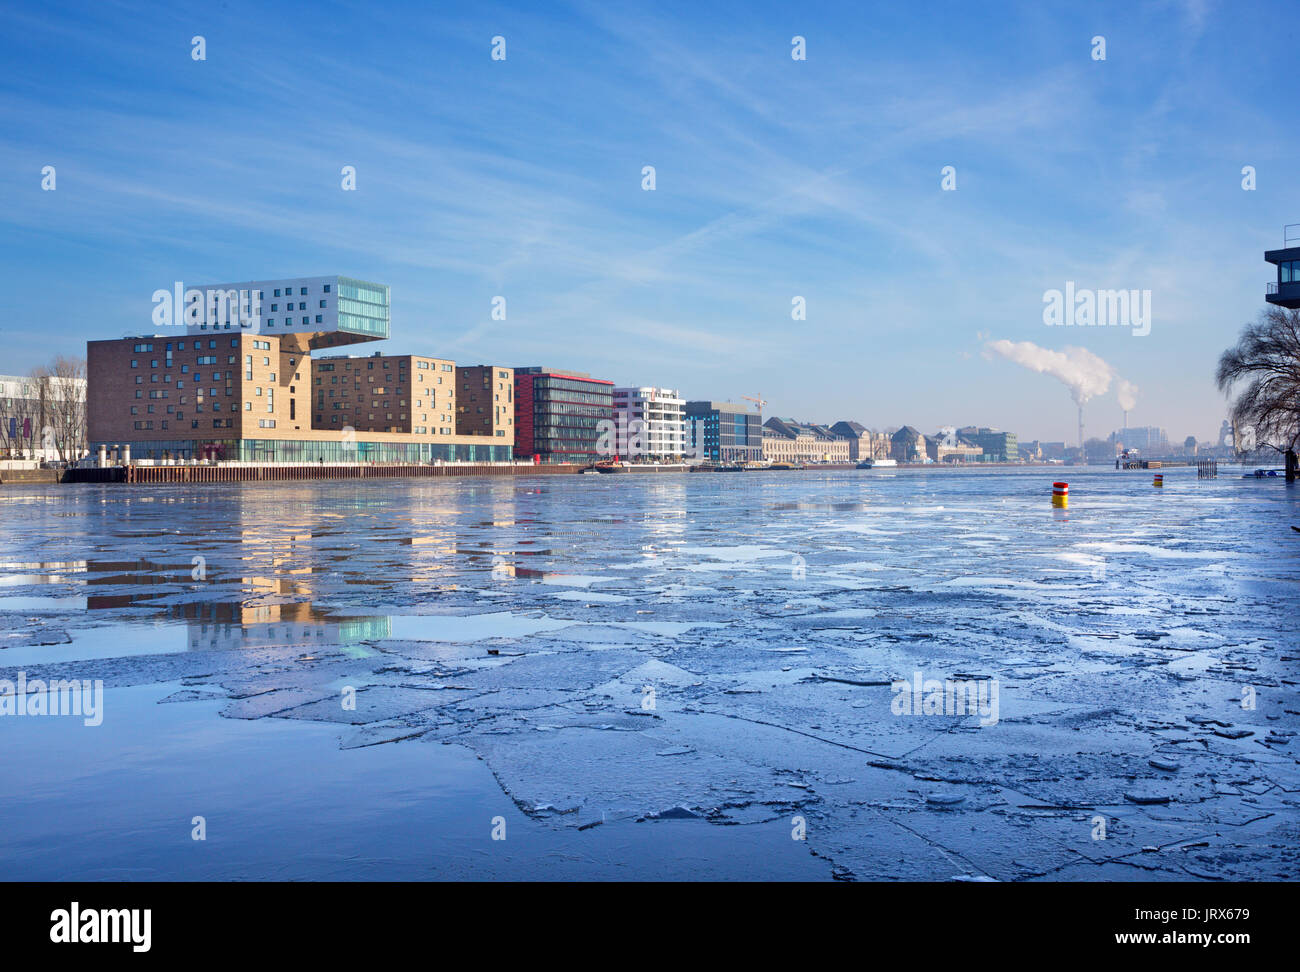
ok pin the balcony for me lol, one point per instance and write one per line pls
(1283, 294)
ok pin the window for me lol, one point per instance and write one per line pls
(134, 363)
(327, 288)
(277, 292)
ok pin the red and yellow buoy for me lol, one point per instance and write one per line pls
(1061, 494)
(1159, 480)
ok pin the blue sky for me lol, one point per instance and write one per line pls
(775, 178)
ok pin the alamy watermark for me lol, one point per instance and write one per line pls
(1079, 307)
(77, 925)
(946, 697)
(181, 307)
(63, 697)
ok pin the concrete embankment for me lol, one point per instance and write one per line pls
(17, 476)
(283, 472)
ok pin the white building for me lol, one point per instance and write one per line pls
(42, 418)
(324, 311)
(650, 423)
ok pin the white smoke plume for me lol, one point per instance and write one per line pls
(1081, 371)
(1127, 393)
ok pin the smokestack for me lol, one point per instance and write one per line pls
(1080, 428)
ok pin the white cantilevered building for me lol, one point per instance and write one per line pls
(312, 312)
(649, 423)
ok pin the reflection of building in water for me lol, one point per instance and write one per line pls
(234, 625)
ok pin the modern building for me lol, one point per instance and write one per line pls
(995, 445)
(785, 440)
(649, 423)
(406, 394)
(724, 432)
(1285, 291)
(486, 405)
(558, 414)
(235, 380)
(1150, 440)
(307, 312)
(907, 445)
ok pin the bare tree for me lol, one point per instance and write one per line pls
(1265, 365)
(65, 414)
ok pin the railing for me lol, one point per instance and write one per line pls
(1271, 289)
(1287, 238)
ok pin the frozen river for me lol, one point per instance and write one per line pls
(657, 677)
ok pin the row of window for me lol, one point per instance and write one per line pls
(288, 321)
(416, 430)
(288, 292)
(147, 424)
(401, 365)
(296, 450)
(302, 305)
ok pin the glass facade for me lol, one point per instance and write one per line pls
(724, 434)
(363, 307)
(996, 446)
(302, 450)
(560, 416)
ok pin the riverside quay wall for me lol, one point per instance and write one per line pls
(282, 472)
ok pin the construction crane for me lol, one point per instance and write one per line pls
(758, 401)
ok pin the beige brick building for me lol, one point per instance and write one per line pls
(405, 394)
(785, 440)
(247, 388)
(486, 405)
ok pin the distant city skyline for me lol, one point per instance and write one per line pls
(775, 180)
